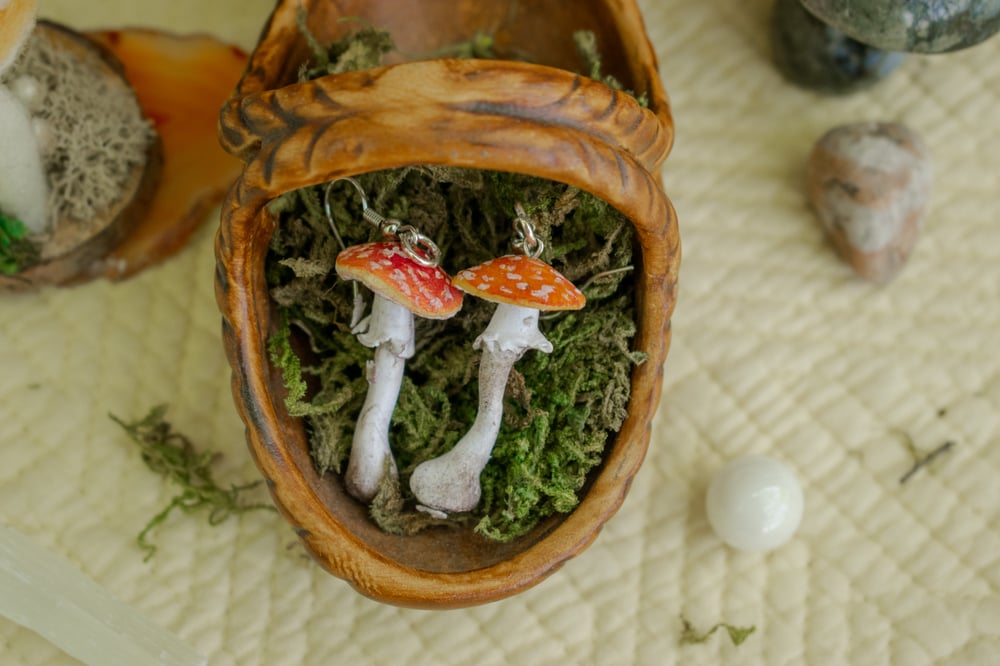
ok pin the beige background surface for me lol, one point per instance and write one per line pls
(777, 349)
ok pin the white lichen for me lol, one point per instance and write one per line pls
(98, 134)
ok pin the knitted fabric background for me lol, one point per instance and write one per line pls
(777, 349)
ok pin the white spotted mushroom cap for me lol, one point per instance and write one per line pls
(521, 280)
(17, 20)
(390, 272)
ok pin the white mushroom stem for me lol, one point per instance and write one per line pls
(24, 190)
(450, 482)
(389, 329)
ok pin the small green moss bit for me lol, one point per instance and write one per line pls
(480, 46)
(173, 456)
(16, 251)
(586, 46)
(364, 49)
(736, 634)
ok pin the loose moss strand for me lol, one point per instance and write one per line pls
(174, 456)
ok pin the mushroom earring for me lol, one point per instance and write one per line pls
(521, 285)
(403, 274)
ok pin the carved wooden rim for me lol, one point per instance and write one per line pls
(541, 121)
(279, 34)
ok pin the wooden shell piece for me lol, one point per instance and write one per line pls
(180, 81)
(536, 119)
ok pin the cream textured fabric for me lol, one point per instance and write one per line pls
(777, 349)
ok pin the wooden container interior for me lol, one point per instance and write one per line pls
(538, 31)
(438, 567)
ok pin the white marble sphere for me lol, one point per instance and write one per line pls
(755, 503)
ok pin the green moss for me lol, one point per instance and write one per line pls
(561, 408)
(736, 634)
(172, 455)
(586, 45)
(364, 49)
(17, 252)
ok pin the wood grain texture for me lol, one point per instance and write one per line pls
(180, 82)
(499, 115)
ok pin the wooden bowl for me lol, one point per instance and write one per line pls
(535, 119)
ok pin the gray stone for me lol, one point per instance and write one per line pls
(869, 184)
(813, 55)
(917, 26)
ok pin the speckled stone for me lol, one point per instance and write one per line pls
(813, 55)
(869, 184)
(917, 26)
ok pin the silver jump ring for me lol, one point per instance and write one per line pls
(419, 247)
(525, 241)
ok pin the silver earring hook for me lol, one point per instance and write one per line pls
(384, 225)
(329, 216)
(418, 247)
(525, 241)
(358, 304)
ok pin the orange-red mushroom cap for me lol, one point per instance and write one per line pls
(520, 280)
(390, 272)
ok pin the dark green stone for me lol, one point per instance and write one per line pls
(813, 55)
(917, 26)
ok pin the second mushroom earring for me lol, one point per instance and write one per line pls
(521, 285)
(403, 274)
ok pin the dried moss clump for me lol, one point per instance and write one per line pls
(172, 455)
(561, 408)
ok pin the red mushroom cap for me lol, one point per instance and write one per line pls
(390, 272)
(521, 280)
(17, 20)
